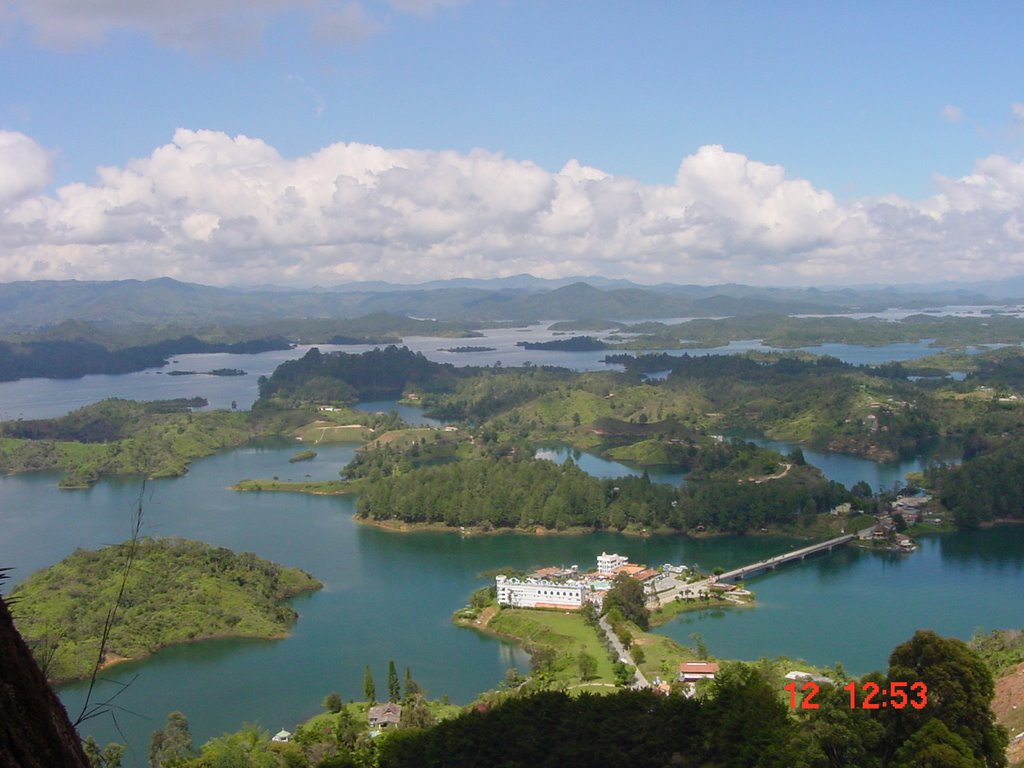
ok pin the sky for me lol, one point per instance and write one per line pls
(320, 142)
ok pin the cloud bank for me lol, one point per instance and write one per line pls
(217, 209)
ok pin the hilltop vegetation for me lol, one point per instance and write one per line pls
(985, 488)
(497, 492)
(157, 439)
(342, 378)
(178, 591)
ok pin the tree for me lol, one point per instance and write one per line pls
(249, 747)
(348, 730)
(369, 689)
(416, 714)
(745, 719)
(627, 594)
(171, 746)
(394, 690)
(108, 757)
(935, 746)
(412, 688)
(332, 702)
(960, 693)
(623, 674)
(587, 665)
(862, 490)
(701, 647)
(542, 657)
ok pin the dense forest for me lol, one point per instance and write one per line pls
(988, 487)
(343, 378)
(176, 591)
(498, 492)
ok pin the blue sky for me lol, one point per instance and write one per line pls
(774, 143)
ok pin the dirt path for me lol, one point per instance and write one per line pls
(1008, 706)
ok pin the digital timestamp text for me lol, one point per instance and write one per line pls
(897, 695)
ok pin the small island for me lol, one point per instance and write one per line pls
(464, 349)
(177, 591)
(306, 455)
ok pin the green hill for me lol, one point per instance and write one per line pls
(177, 591)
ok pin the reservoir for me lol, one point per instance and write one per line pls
(45, 398)
(390, 596)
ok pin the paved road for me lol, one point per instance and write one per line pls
(639, 681)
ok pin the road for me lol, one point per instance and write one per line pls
(639, 681)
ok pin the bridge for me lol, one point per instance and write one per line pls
(775, 562)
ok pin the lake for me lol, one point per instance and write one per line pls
(45, 398)
(390, 596)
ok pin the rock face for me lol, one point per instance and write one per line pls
(34, 728)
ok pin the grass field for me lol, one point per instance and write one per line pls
(566, 633)
(321, 431)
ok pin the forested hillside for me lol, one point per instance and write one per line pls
(508, 493)
(988, 487)
(377, 374)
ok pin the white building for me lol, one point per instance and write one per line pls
(606, 564)
(538, 593)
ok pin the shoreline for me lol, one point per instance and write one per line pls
(395, 525)
(115, 660)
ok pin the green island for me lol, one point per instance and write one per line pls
(305, 455)
(177, 591)
(497, 417)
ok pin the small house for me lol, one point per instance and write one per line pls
(282, 736)
(692, 671)
(385, 716)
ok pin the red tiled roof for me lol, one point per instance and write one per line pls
(699, 667)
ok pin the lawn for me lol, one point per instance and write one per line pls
(566, 633)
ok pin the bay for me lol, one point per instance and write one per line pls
(606, 469)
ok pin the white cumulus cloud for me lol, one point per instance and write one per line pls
(219, 209)
(24, 167)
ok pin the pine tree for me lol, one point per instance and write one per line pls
(412, 688)
(394, 691)
(369, 690)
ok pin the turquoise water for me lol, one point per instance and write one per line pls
(607, 468)
(389, 596)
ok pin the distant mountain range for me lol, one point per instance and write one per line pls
(522, 298)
